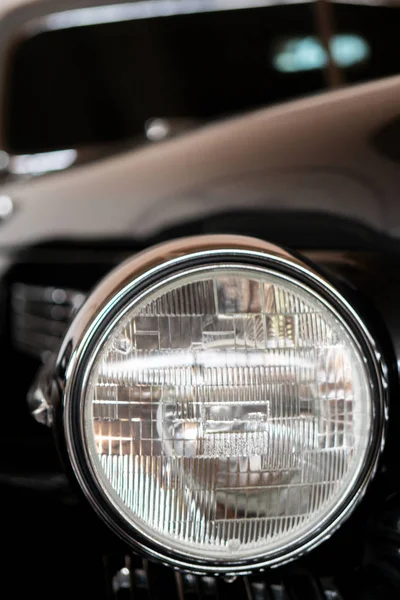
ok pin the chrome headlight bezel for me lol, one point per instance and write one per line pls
(128, 282)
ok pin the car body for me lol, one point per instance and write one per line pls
(318, 175)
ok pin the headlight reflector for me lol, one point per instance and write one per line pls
(228, 413)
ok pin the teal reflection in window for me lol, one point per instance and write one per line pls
(307, 54)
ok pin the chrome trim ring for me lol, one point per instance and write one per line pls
(137, 276)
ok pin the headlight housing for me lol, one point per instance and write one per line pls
(223, 404)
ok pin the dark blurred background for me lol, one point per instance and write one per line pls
(103, 83)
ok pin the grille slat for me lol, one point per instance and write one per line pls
(40, 316)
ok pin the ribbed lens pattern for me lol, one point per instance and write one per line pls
(228, 414)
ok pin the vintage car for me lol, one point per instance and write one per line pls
(199, 284)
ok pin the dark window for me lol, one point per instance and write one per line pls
(101, 83)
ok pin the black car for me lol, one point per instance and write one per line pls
(199, 271)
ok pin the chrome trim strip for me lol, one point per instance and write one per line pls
(143, 9)
(41, 162)
(150, 9)
(40, 317)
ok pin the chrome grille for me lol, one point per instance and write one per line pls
(40, 317)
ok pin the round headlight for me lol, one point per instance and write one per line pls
(224, 407)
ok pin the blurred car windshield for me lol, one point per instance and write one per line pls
(99, 83)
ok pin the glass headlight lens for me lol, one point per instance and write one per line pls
(227, 413)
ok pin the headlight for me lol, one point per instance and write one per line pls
(223, 404)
